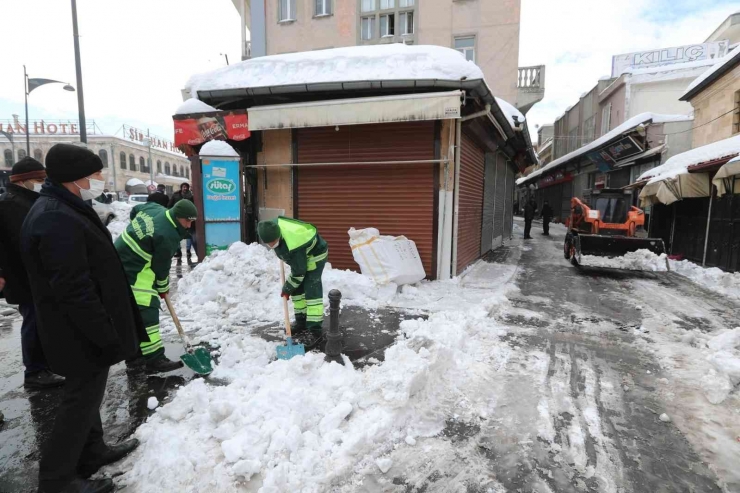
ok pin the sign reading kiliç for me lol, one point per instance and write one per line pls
(668, 56)
(222, 209)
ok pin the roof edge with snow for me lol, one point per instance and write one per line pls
(712, 75)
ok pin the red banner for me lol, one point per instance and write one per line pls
(198, 128)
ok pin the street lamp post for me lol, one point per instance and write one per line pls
(28, 86)
(78, 68)
(148, 142)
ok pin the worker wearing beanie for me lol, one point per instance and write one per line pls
(87, 315)
(146, 249)
(26, 179)
(299, 245)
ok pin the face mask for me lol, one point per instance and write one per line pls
(96, 188)
(37, 187)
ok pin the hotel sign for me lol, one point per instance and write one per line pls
(40, 127)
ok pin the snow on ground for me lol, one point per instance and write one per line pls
(119, 223)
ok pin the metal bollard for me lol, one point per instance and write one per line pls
(333, 348)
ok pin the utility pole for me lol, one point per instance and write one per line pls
(25, 91)
(78, 67)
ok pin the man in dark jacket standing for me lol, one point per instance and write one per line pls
(529, 211)
(87, 315)
(26, 179)
(546, 218)
(184, 194)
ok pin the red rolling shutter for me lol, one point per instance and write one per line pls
(470, 212)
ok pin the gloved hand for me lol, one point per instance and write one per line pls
(285, 295)
(162, 295)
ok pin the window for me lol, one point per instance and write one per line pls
(8, 158)
(166, 168)
(406, 22)
(142, 164)
(387, 4)
(736, 114)
(182, 170)
(573, 140)
(387, 25)
(323, 7)
(405, 3)
(132, 162)
(38, 155)
(122, 160)
(21, 154)
(187, 173)
(368, 28)
(588, 130)
(175, 172)
(466, 46)
(159, 166)
(606, 116)
(103, 155)
(368, 5)
(287, 10)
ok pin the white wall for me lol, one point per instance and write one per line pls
(659, 97)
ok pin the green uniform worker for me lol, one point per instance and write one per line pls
(299, 245)
(146, 249)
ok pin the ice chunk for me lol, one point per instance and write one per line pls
(384, 464)
(335, 417)
(716, 386)
(665, 418)
(152, 403)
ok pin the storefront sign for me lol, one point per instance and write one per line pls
(554, 179)
(136, 135)
(221, 204)
(668, 56)
(219, 125)
(40, 127)
(607, 157)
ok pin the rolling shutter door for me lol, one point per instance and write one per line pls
(470, 210)
(498, 229)
(509, 202)
(489, 192)
(395, 199)
(567, 194)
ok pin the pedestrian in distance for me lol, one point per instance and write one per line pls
(26, 179)
(184, 194)
(529, 212)
(158, 198)
(161, 190)
(87, 316)
(146, 248)
(546, 218)
(299, 245)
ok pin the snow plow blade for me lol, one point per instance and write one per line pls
(617, 246)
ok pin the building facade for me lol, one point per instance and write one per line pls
(484, 32)
(124, 159)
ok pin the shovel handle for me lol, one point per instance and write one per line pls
(285, 302)
(183, 336)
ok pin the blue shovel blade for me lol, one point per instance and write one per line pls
(290, 349)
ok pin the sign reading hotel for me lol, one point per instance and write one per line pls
(668, 56)
(40, 127)
(136, 135)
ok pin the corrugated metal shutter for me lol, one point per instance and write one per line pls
(470, 211)
(396, 199)
(498, 228)
(510, 190)
(489, 192)
(567, 194)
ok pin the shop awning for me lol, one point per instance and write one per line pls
(682, 186)
(728, 177)
(382, 109)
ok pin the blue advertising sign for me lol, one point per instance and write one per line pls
(221, 204)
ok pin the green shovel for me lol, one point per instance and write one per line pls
(197, 359)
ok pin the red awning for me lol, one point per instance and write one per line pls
(712, 165)
(197, 128)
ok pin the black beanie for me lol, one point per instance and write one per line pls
(27, 169)
(66, 163)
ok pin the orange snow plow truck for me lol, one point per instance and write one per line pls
(609, 226)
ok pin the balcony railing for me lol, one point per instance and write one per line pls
(531, 78)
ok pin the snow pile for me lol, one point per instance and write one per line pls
(510, 112)
(307, 425)
(679, 164)
(356, 63)
(217, 148)
(194, 105)
(725, 360)
(122, 210)
(639, 260)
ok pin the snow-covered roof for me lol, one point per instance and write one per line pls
(217, 148)
(680, 163)
(510, 112)
(355, 63)
(719, 67)
(604, 139)
(546, 145)
(134, 182)
(194, 105)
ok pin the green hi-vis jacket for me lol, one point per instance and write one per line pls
(301, 248)
(146, 248)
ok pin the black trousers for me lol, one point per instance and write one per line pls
(546, 226)
(527, 227)
(77, 437)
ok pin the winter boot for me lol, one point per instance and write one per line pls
(162, 364)
(43, 379)
(298, 326)
(113, 454)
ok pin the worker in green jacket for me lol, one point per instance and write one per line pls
(146, 249)
(299, 245)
